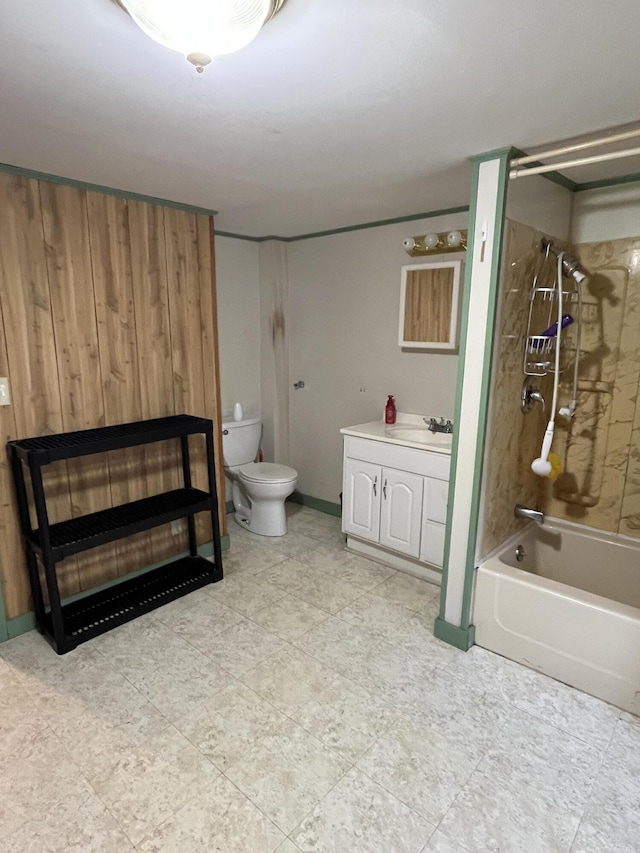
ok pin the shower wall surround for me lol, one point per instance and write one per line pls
(600, 448)
(513, 440)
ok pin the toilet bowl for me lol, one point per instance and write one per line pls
(259, 489)
(268, 486)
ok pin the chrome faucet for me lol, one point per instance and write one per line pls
(530, 395)
(520, 511)
(434, 426)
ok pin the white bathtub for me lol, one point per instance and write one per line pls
(570, 608)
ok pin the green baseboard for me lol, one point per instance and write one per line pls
(461, 638)
(26, 621)
(316, 503)
(307, 500)
(20, 625)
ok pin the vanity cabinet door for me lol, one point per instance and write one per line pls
(361, 499)
(433, 524)
(401, 511)
(432, 547)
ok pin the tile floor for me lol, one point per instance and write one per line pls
(303, 704)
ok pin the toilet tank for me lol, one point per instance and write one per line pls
(240, 441)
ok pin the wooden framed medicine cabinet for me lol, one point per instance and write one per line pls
(429, 296)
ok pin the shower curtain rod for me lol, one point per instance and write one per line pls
(568, 164)
(577, 146)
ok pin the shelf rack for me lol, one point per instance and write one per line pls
(67, 624)
(539, 350)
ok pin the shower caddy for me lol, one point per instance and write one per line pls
(65, 625)
(539, 350)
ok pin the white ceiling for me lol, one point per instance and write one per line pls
(340, 112)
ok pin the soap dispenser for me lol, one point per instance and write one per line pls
(237, 412)
(390, 411)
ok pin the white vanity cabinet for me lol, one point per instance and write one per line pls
(395, 497)
(383, 505)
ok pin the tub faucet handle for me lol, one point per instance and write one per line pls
(520, 511)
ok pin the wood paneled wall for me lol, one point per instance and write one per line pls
(107, 315)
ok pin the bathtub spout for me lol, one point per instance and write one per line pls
(520, 511)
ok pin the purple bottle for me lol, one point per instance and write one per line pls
(552, 331)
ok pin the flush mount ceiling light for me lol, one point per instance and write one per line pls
(202, 29)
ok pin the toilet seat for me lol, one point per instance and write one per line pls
(267, 472)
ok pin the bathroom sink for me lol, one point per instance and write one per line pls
(418, 434)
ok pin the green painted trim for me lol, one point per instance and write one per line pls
(20, 625)
(321, 505)
(190, 208)
(83, 185)
(234, 236)
(554, 177)
(495, 154)
(412, 217)
(573, 186)
(464, 324)
(632, 178)
(4, 633)
(496, 261)
(461, 638)
(504, 155)
(559, 179)
(26, 621)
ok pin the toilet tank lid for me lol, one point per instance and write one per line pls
(244, 422)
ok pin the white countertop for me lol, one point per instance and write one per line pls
(379, 431)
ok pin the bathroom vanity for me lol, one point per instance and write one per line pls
(395, 487)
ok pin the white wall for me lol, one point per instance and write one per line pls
(343, 322)
(238, 291)
(606, 214)
(238, 295)
(538, 202)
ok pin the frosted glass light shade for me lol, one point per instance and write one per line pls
(200, 29)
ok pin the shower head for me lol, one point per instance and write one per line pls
(571, 267)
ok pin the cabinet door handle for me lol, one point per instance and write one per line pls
(375, 486)
(384, 489)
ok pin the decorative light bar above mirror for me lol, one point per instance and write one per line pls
(436, 244)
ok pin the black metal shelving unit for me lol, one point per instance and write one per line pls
(66, 625)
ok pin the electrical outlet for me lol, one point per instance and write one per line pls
(363, 390)
(177, 527)
(5, 394)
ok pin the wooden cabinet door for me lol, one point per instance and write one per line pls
(401, 511)
(361, 499)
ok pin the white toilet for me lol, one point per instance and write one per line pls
(259, 488)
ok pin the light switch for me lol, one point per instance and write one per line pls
(5, 396)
